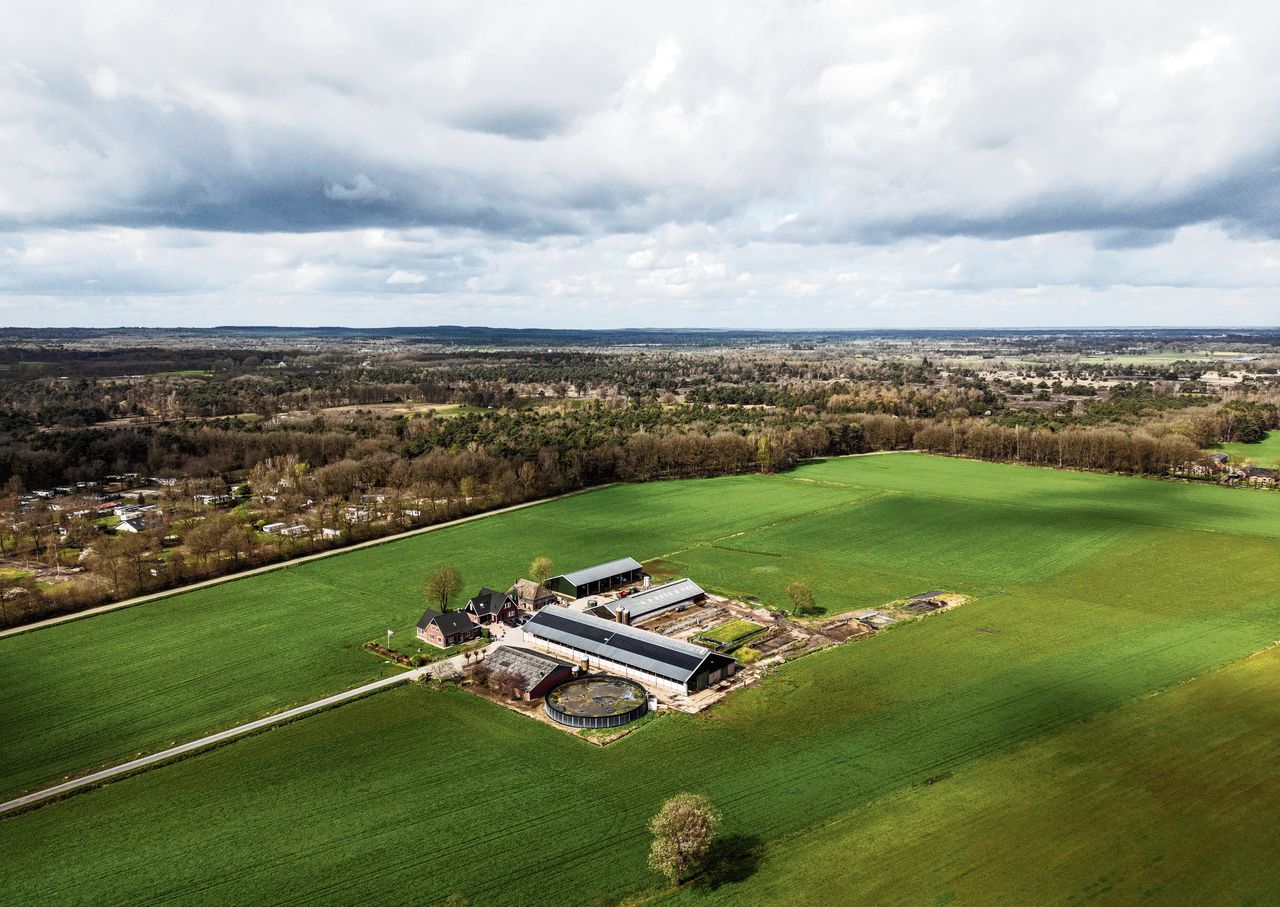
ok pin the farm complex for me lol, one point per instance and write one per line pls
(1084, 726)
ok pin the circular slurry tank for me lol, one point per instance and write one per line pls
(600, 701)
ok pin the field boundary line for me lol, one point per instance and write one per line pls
(183, 749)
(1113, 516)
(764, 527)
(282, 565)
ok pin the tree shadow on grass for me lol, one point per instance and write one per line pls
(732, 859)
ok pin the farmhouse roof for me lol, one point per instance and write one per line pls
(487, 601)
(529, 590)
(601, 571)
(450, 622)
(670, 658)
(533, 667)
(659, 598)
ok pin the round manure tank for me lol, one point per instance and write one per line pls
(600, 701)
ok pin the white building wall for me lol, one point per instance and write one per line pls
(596, 663)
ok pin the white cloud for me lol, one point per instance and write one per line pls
(406, 277)
(661, 165)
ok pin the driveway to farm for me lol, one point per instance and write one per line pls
(231, 577)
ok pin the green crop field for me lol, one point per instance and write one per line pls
(732, 631)
(1092, 593)
(1199, 757)
(1265, 453)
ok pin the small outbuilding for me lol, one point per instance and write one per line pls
(538, 673)
(490, 605)
(446, 629)
(532, 596)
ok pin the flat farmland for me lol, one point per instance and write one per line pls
(919, 725)
(1076, 495)
(898, 544)
(80, 695)
(1170, 800)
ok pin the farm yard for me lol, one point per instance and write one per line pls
(1087, 594)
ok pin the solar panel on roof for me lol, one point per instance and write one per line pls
(643, 647)
(632, 646)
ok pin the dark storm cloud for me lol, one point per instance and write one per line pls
(1246, 198)
(526, 124)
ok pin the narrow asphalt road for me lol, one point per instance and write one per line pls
(142, 762)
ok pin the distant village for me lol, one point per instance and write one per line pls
(1218, 466)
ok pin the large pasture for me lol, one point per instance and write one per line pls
(880, 768)
(79, 695)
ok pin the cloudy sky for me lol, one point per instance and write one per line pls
(686, 164)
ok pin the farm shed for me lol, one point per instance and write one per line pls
(489, 605)
(670, 665)
(652, 602)
(531, 596)
(538, 672)
(600, 578)
(447, 629)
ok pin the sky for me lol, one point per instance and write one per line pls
(736, 165)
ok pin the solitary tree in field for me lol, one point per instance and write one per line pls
(801, 597)
(682, 834)
(443, 585)
(541, 569)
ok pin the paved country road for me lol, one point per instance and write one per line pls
(438, 668)
(280, 565)
(182, 749)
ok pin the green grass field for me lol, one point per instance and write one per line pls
(1092, 594)
(1199, 757)
(1266, 453)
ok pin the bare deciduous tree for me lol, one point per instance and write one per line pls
(442, 585)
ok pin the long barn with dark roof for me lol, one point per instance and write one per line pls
(669, 665)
